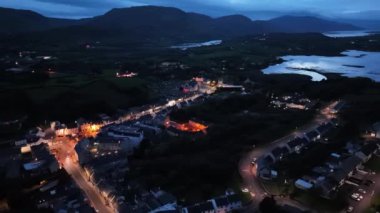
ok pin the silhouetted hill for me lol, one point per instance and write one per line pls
(295, 24)
(152, 24)
(17, 21)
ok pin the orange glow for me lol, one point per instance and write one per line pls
(90, 130)
(190, 126)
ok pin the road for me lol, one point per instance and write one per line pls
(156, 109)
(249, 172)
(92, 193)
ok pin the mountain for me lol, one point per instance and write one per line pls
(298, 24)
(373, 25)
(152, 24)
(17, 21)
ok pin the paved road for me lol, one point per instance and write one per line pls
(249, 172)
(92, 193)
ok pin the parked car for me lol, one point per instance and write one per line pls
(356, 196)
(350, 209)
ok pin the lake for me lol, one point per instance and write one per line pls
(351, 64)
(195, 45)
(341, 34)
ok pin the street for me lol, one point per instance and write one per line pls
(80, 179)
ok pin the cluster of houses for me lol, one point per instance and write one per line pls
(294, 146)
(295, 101)
(40, 160)
(61, 195)
(108, 175)
(339, 168)
(226, 203)
(113, 139)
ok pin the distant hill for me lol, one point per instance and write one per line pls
(302, 24)
(151, 23)
(18, 21)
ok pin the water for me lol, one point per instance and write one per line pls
(341, 34)
(195, 45)
(352, 64)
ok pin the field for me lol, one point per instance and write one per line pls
(67, 97)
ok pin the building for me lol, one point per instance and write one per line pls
(278, 153)
(42, 160)
(324, 128)
(346, 169)
(296, 144)
(367, 151)
(206, 207)
(374, 131)
(313, 135)
(222, 204)
(63, 129)
(82, 151)
(302, 184)
(131, 134)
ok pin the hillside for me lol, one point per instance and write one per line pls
(18, 21)
(151, 24)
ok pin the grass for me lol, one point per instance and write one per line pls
(277, 187)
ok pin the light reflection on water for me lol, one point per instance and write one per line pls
(352, 64)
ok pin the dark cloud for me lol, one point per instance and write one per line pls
(83, 8)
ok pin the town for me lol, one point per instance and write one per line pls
(189, 106)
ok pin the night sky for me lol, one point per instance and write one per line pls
(86, 8)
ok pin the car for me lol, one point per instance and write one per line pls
(350, 209)
(356, 196)
(245, 190)
(362, 191)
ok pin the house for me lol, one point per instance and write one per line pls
(235, 201)
(296, 144)
(302, 184)
(82, 151)
(63, 129)
(313, 135)
(278, 153)
(339, 106)
(132, 134)
(375, 130)
(324, 128)
(164, 197)
(206, 207)
(42, 161)
(352, 147)
(333, 161)
(346, 169)
(221, 204)
(367, 151)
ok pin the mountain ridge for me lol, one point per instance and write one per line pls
(153, 23)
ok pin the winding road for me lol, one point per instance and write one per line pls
(249, 172)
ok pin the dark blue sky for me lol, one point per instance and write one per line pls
(85, 8)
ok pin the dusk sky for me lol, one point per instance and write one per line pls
(86, 8)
